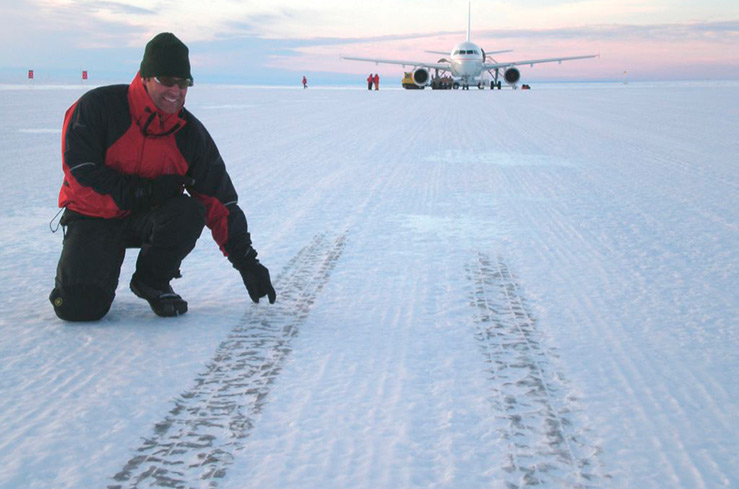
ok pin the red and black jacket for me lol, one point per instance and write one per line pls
(113, 136)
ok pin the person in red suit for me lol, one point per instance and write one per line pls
(141, 171)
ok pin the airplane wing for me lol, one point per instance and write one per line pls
(508, 64)
(441, 66)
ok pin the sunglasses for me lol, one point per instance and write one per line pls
(170, 81)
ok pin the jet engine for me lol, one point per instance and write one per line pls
(511, 76)
(421, 77)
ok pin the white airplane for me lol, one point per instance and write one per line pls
(467, 65)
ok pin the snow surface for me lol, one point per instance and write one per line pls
(476, 289)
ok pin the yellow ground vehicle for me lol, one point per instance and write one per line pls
(408, 82)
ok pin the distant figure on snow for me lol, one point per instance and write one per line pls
(370, 81)
(377, 81)
(128, 154)
(305, 82)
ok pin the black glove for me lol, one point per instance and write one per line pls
(255, 277)
(153, 193)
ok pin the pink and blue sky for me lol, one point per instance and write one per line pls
(277, 41)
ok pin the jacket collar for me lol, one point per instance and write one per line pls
(147, 116)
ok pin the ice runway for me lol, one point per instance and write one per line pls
(475, 289)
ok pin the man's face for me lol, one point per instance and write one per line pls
(167, 99)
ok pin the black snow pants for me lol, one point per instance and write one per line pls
(94, 248)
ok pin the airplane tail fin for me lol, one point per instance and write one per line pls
(469, 15)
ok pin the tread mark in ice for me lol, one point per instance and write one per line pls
(196, 442)
(534, 410)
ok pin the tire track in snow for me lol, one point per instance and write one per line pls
(545, 444)
(197, 441)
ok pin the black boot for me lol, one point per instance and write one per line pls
(165, 302)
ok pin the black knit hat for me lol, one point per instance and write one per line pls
(165, 55)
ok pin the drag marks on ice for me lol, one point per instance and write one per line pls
(40, 131)
(543, 440)
(499, 158)
(197, 441)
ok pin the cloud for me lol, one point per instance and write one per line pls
(118, 8)
(252, 24)
(715, 31)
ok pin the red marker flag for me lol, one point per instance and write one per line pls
(84, 74)
(30, 74)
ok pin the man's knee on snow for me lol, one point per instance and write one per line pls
(80, 302)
